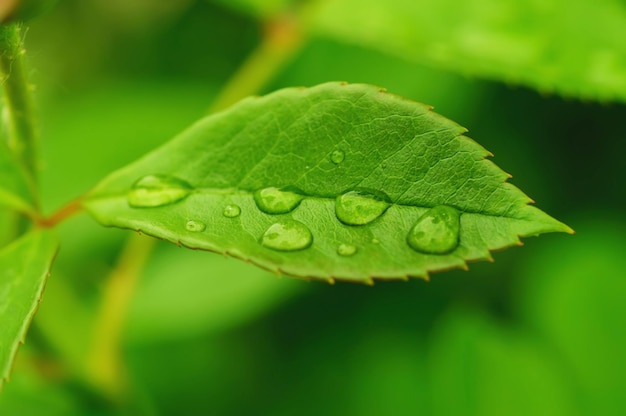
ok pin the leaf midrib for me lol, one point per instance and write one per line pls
(236, 191)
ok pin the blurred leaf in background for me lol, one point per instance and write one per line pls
(481, 368)
(535, 43)
(574, 299)
(184, 295)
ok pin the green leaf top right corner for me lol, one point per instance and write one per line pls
(572, 48)
(335, 182)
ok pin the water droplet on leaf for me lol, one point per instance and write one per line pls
(346, 250)
(360, 206)
(157, 190)
(195, 226)
(337, 156)
(277, 201)
(436, 232)
(232, 211)
(287, 235)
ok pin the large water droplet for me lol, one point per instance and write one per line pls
(277, 201)
(436, 232)
(346, 250)
(337, 156)
(232, 211)
(360, 206)
(157, 191)
(287, 235)
(195, 226)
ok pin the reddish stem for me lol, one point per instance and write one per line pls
(62, 214)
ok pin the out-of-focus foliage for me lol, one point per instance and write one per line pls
(24, 268)
(208, 294)
(575, 301)
(118, 78)
(493, 370)
(261, 8)
(20, 10)
(16, 189)
(576, 48)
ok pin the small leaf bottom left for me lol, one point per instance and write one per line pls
(24, 268)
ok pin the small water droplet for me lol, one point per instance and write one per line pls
(195, 226)
(360, 206)
(232, 211)
(277, 201)
(337, 156)
(157, 190)
(346, 250)
(436, 232)
(287, 235)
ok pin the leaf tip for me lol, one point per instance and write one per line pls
(567, 229)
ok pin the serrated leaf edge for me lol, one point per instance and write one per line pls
(6, 377)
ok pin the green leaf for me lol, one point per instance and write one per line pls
(24, 267)
(534, 43)
(16, 187)
(359, 170)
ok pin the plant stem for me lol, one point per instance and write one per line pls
(282, 39)
(71, 208)
(18, 109)
(18, 98)
(104, 364)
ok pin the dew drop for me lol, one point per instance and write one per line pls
(346, 250)
(232, 211)
(360, 206)
(436, 232)
(277, 201)
(195, 226)
(337, 156)
(287, 235)
(157, 190)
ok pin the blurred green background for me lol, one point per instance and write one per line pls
(540, 331)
